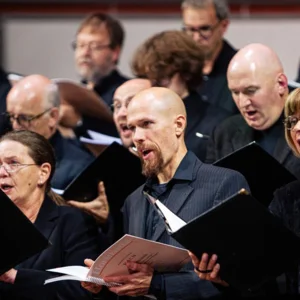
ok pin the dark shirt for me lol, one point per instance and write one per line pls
(202, 118)
(268, 138)
(105, 89)
(162, 192)
(214, 88)
(5, 86)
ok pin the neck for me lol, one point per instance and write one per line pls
(99, 77)
(169, 170)
(31, 207)
(210, 61)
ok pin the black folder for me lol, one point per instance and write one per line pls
(20, 239)
(262, 171)
(118, 168)
(252, 245)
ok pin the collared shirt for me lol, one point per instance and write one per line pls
(162, 191)
(214, 87)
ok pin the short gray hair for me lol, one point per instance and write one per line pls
(221, 6)
(52, 96)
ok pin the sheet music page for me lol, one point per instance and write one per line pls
(174, 222)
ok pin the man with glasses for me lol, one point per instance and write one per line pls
(33, 104)
(207, 21)
(259, 88)
(97, 47)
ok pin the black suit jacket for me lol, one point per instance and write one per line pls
(208, 186)
(70, 160)
(235, 133)
(74, 237)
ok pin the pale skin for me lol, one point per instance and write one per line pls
(207, 263)
(27, 196)
(258, 85)
(27, 96)
(157, 119)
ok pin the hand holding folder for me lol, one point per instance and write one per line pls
(244, 235)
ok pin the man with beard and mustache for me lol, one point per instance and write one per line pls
(259, 88)
(207, 21)
(157, 120)
(97, 50)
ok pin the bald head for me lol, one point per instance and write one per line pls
(131, 87)
(157, 120)
(258, 85)
(36, 98)
(161, 100)
(256, 58)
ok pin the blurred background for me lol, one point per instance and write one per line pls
(36, 35)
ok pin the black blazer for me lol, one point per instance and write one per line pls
(235, 133)
(208, 186)
(74, 237)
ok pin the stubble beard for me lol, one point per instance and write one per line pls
(152, 168)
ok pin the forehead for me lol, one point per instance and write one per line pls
(26, 101)
(127, 91)
(13, 149)
(90, 34)
(199, 16)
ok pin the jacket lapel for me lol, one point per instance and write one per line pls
(176, 200)
(244, 135)
(140, 216)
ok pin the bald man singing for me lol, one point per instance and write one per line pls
(156, 118)
(259, 88)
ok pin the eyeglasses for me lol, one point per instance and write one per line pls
(290, 122)
(14, 167)
(24, 120)
(115, 107)
(205, 31)
(92, 46)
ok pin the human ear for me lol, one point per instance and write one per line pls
(45, 171)
(282, 84)
(180, 124)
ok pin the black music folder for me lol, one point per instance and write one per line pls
(118, 168)
(263, 172)
(252, 244)
(20, 239)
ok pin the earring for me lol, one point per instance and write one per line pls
(40, 183)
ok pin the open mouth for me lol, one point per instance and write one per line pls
(6, 187)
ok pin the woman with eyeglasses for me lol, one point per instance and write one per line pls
(27, 164)
(285, 205)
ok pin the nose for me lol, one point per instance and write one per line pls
(243, 101)
(15, 125)
(138, 135)
(3, 172)
(122, 111)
